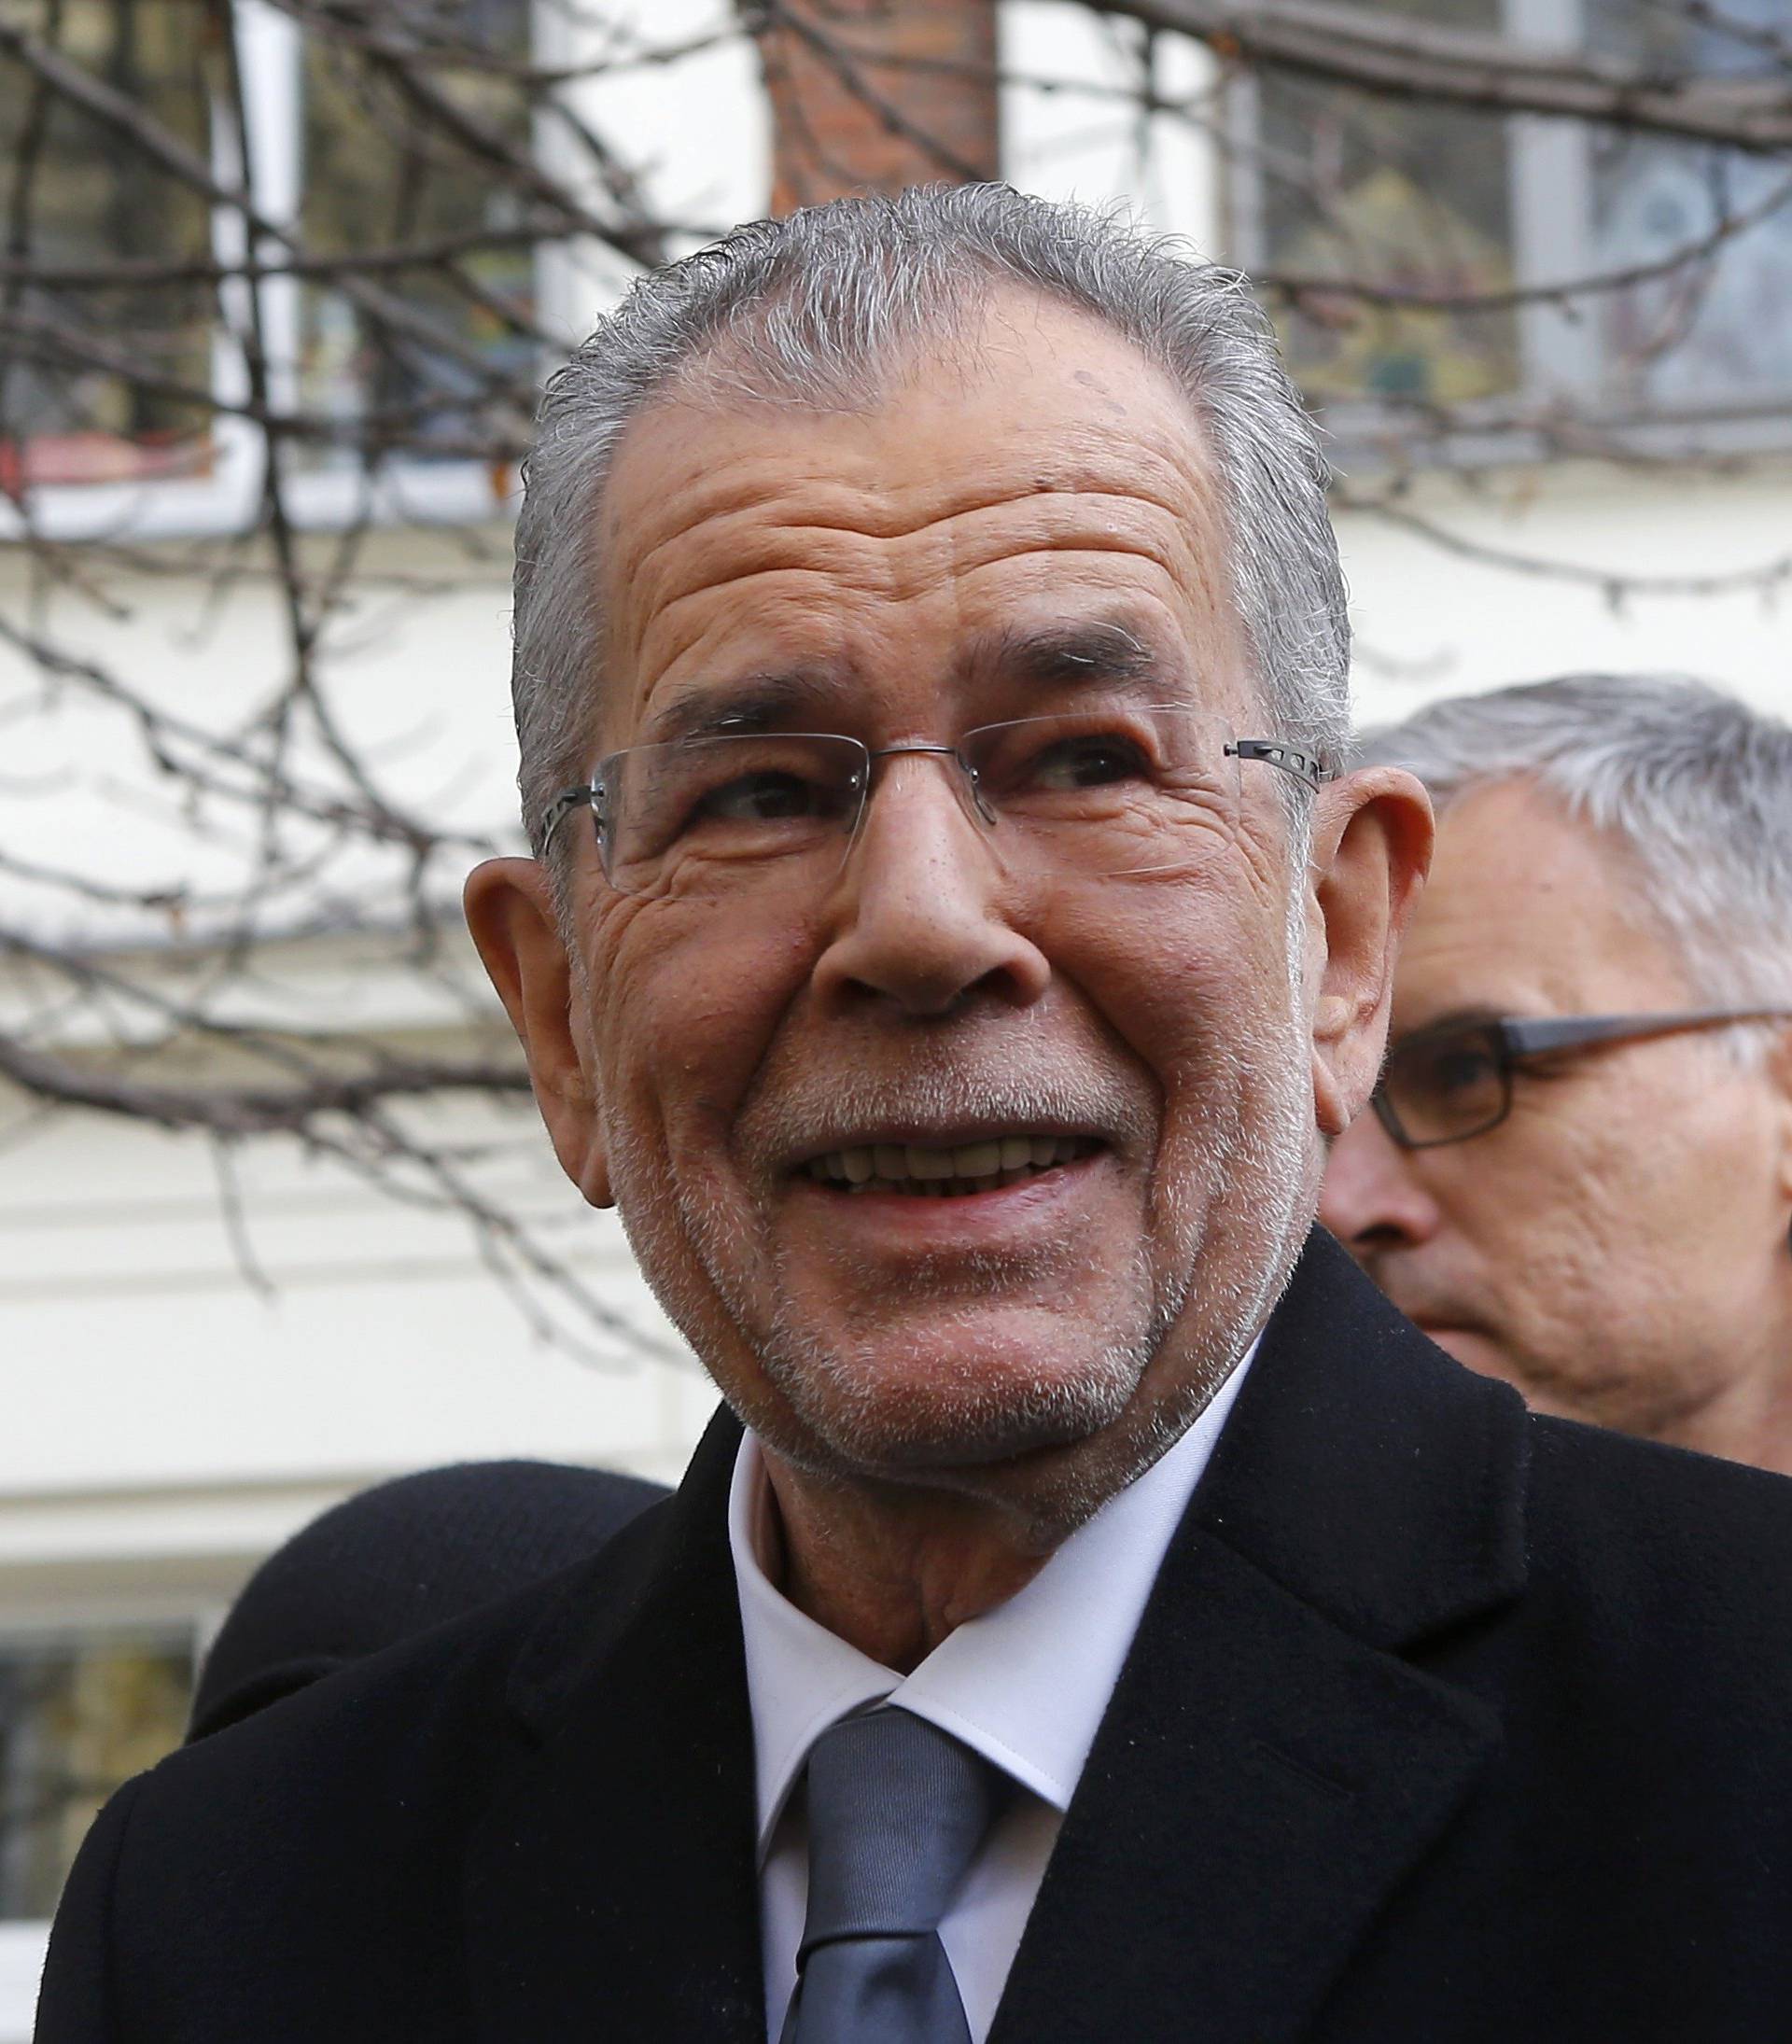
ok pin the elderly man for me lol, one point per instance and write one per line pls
(948, 949)
(1578, 1175)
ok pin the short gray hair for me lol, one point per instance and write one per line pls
(1693, 786)
(805, 309)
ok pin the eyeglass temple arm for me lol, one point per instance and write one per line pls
(1306, 767)
(1533, 1039)
(564, 804)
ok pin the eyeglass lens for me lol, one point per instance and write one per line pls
(1443, 1087)
(1119, 790)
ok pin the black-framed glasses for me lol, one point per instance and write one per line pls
(1119, 789)
(1454, 1081)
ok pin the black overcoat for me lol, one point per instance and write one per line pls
(1443, 1723)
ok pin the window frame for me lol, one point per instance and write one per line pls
(1549, 175)
(226, 498)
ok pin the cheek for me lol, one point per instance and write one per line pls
(1572, 1198)
(1705, 1192)
(689, 999)
(1151, 988)
(1199, 1009)
(1203, 990)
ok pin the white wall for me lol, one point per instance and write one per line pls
(168, 1421)
(343, 1336)
(1430, 623)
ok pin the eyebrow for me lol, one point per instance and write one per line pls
(756, 701)
(1068, 652)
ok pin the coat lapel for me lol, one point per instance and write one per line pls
(1274, 1763)
(611, 1887)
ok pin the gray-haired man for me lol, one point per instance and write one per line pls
(1097, 1616)
(1578, 1175)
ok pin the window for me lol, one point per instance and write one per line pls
(352, 136)
(381, 169)
(79, 1714)
(1348, 186)
(1720, 333)
(1454, 203)
(90, 201)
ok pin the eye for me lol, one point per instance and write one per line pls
(1457, 1070)
(1093, 758)
(1462, 1065)
(766, 797)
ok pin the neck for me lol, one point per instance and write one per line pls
(1748, 1420)
(890, 1572)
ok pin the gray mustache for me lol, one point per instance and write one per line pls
(814, 1111)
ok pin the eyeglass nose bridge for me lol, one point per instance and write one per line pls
(973, 785)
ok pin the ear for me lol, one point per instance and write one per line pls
(1372, 840)
(510, 911)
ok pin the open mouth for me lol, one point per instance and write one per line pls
(946, 1173)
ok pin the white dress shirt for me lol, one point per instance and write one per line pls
(1026, 1685)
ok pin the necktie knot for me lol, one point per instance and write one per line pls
(896, 1812)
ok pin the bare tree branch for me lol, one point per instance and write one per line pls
(1407, 57)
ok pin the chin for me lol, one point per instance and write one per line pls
(1477, 1351)
(1451, 1340)
(1042, 1479)
(869, 1410)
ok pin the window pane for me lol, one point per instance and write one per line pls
(89, 197)
(1370, 189)
(77, 1717)
(382, 171)
(1713, 332)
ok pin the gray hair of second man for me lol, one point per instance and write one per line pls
(1694, 788)
(812, 310)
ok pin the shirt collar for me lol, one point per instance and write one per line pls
(1026, 1685)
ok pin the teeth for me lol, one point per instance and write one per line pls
(971, 1167)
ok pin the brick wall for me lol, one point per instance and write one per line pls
(875, 95)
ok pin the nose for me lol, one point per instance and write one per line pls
(921, 916)
(1372, 1198)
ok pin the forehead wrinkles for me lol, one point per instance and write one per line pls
(736, 552)
(743, 553)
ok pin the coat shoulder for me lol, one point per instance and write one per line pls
(272, 1849)
(1648, 1667)
(424, 1705)
(1661, 1530)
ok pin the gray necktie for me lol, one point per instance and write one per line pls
(897, 1809)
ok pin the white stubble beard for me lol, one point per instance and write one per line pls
(1259, 1179)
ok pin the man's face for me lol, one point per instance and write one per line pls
(1617, 1247)
(889, 575)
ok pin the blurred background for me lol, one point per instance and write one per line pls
(279, 281)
